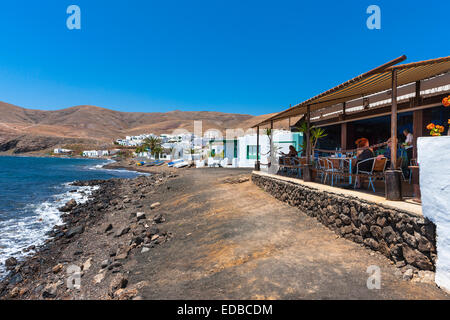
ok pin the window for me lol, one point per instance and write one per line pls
(251, 152)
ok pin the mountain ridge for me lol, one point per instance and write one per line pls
(95, 124)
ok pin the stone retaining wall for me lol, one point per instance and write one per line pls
(405, 238)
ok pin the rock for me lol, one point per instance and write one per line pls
(424, 245)
(14, 292)
(155, 205)
(108, 227)
(48, 295)
(389, 234)
(122, 256)
(408, 274)
(50, 290)
(158, 218)
(118, 282)
(10, 262)
(68, 206)
(145, 249)
(416, 258)
(140, 216)
(99, 277)
(16, 279)
(400, 264)
(376, 232)
(86, 265)
(371, 243)
(151, 231)
(364, 231)
(114, 265)
(345, 219)
(410, 239)
(74, 231)
(138, 240)
(381, 221)
(57, 268)
(122, 231)
(105, 263)
(154, 237)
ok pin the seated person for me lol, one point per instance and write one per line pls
(362, 155)
(292, 152)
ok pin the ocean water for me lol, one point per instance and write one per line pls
(32, 190)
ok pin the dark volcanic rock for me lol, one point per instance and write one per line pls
(122, 231)
(10, 262)
(74, 231)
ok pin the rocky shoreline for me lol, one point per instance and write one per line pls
(91, 254)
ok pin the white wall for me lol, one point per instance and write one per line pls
(278, 137)
(434, 164)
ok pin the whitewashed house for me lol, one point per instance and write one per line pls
(60, 151)
(281, 139)
(95, 153)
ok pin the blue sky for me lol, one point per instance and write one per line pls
(252, 57)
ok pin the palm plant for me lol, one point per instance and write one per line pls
(154, 144)
(314, 136)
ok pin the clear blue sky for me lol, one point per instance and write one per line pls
(240, 56)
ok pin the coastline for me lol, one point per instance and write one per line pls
(16, 283)
(73, 243)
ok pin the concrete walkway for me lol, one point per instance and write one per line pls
(234, 241)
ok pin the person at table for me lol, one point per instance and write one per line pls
(292, 152)
(363, 154)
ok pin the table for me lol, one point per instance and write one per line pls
(341, 165)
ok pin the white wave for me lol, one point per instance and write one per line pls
(31, 227)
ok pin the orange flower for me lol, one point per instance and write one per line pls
(448, 121)
(440, 128)
(430, 126)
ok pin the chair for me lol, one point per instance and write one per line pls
(399, 165)
(321, 168)
(330, 169)
(378, 166)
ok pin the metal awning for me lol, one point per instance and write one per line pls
(371, 82)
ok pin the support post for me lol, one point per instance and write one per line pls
(307, 175)
(257, 164)
(344, 136)
(393, 183)
(417, 120)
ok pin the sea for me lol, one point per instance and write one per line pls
(31, 191)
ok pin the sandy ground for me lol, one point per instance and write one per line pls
(222, 238)
(234, 241)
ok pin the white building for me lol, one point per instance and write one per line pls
(95, 153)
(282, 139)
(59, 151)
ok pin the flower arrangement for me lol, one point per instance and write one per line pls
(446, 101)
(435, 130)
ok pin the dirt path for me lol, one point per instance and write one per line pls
(233, 241)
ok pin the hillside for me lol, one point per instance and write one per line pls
(24, 130)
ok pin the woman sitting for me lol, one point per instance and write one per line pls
(361, 155)
(292, 152)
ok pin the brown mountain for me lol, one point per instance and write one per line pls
(25, 130)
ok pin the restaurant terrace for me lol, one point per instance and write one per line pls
(378, 106)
